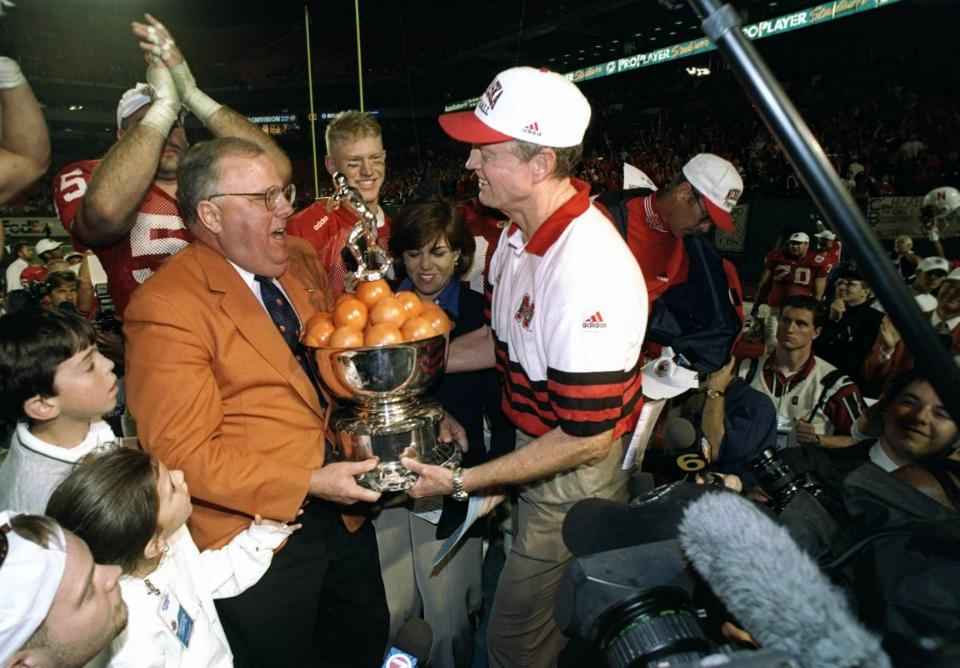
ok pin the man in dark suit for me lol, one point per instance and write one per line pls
(218, 389)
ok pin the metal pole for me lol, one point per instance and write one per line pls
(722, 25)
(312, 116)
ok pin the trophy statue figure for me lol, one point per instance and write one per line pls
(373, 261)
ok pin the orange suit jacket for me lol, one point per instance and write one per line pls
(217, 393)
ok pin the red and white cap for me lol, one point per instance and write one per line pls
(526, 103)
(719, 183)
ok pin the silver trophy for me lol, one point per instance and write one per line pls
(381, 411)
(378, 391)
(373, 260)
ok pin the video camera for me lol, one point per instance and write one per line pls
(643, 605)
(106, 319)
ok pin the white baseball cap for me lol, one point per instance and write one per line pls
(801, 237)
(526, 103)
(663, 378)
(132, 100)
(719, 183)
(934, 263)
(826, 234)
(29, 578)
(45, 245)
(954, 275)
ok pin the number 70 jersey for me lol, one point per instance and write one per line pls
(158, 233)
(793, 276)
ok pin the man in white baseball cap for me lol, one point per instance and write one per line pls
(931, 272)
(565, 336)
(655, 222)
(58, 607)
(124, 206)
(48, 249)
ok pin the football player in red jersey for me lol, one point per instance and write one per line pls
(793, 270)
(124, 206)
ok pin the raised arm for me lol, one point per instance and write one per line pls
(121, 180)
(222, 121)
(24, 144)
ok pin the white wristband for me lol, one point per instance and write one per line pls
(198, 102)
(934, 235)
(10, 74)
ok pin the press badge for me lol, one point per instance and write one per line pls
(176, 619)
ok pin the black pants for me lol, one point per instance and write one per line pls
(321, 602)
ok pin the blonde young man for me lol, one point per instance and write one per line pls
(355, 149)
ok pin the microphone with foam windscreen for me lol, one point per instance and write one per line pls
(411, 646)
(774, 589)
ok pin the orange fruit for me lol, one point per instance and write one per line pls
(345, 295)
(346, 337)
(437, 318)
(416, 329)
(389, 310)
(383, 334)
(370, 292)
(350, 311)
(318, 329)
(412, 306)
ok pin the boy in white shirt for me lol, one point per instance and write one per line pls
(57, 385)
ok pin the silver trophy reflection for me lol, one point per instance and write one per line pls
(378, 391)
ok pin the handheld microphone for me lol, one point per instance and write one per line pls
(683, 445)
(411, 646)
(773, 588)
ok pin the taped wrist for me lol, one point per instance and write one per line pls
(160, 117)
(933, 235)
(199, 103)
(10, 74)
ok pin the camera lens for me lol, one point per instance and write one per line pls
(775, 476)
(645, 630)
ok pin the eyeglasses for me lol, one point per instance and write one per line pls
(704, 214)
(271, 197)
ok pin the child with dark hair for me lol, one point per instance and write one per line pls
(57, 385)
(132, 512)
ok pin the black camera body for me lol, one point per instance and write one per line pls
(643, 606)
(782, 483)
(106, 319)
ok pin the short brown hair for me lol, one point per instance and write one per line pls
(112, 504)
(349, 126)
(431, 220)
(567, 157)
(198, 176)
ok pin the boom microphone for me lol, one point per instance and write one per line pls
(411, 646)
(774, 589)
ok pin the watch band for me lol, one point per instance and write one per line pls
(712, 393)
(459, 493)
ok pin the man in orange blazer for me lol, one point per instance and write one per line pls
(219, 393)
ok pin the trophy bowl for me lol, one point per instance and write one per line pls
(380, 409)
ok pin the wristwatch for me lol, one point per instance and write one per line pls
(459, 493)
(712, 393)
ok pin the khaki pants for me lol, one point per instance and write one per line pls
(522, 630)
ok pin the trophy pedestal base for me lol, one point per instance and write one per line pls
(390, 437)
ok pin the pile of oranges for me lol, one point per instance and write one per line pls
(375, 316)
